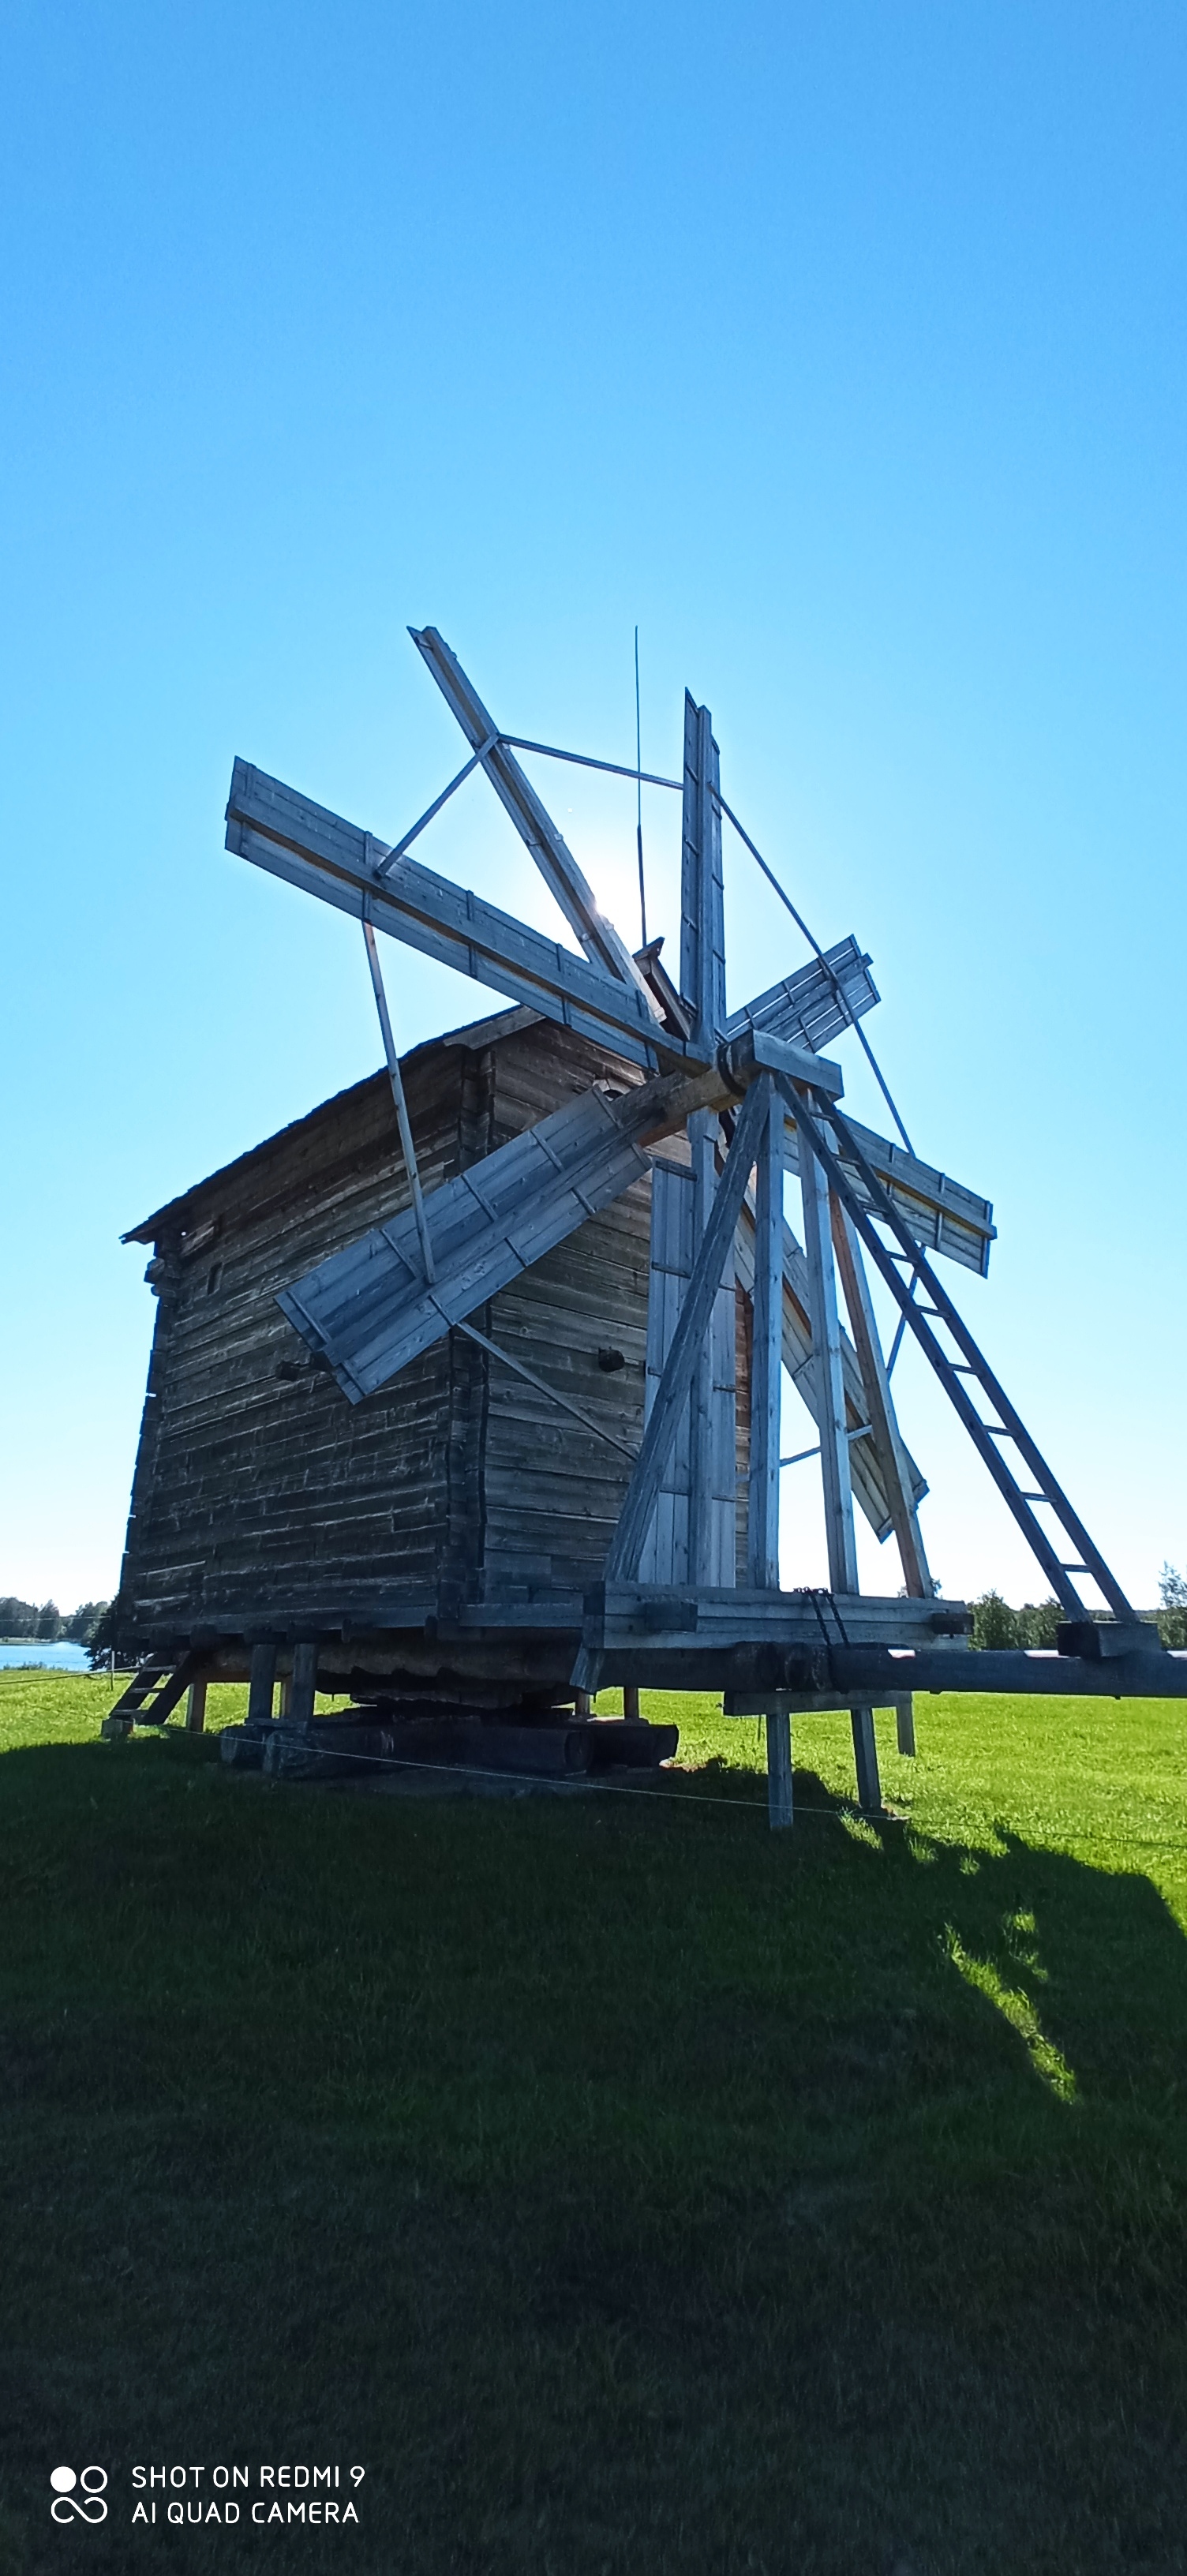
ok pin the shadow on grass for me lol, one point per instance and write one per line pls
(623, 2185)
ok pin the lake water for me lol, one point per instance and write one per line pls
(64, 1658)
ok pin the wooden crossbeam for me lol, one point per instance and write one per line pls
(532, 821)
(308, 846)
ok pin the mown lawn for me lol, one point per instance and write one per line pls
(623, 2187)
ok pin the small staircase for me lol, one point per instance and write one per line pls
(154, 1690)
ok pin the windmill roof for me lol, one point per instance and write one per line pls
(475, 1033)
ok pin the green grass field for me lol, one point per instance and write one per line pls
(623, 2187)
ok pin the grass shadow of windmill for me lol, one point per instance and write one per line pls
(823, 2211)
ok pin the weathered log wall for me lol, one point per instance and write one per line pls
(262, 1497)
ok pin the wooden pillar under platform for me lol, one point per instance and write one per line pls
(865, 1756)
(630, 1701)
(304, 1684)
(261, 1685)
(195, 1707)
(779, 1792)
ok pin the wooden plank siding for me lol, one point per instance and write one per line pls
(261, 1495)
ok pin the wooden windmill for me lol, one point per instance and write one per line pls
(258, 1531)
(714, 1109)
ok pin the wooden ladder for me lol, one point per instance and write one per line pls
(155, 1689)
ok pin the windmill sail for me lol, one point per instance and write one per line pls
(369, 1310)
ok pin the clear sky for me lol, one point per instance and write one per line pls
(842, 348)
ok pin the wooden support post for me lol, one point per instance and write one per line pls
(195, 1708)
(766, 1378)
(702, 984)
(285, 1700)
(630, 1702)
(830, 1382)
(702, 912)
(834, 1441)
(904, 1721)
(261, 1684)
(766, 1375)
(672, 1392)
(304, 1689)
(879, 1402)
(702, 1138)
(779, 1798)
(865, 1755)
(583, 1704)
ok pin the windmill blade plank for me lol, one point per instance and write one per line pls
(308, 846)
(369, 1310)
(531, 818)
(941, 1213)
(811, 1007)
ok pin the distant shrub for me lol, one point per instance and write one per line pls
(995, 1625)
(17, 1618)
(1038, 1623)
(1172, 1618)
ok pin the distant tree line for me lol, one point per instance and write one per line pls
(996, 1625)
(46, 1624)
(1172, 1618)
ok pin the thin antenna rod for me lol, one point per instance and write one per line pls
(639, 797)
(396, 1079)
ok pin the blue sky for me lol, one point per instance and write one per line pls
(839, 347)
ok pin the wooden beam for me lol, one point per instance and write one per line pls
(865, 1757)
(766, 1373)
(690, 1332)
(879, 1403)
(303, 1694)
(830, 1383)
(532, 821)
(195, 1707)
(766, 1385)
(702, 1138)
(702, 920)
(261, 1685)
(864, 1470)
(310, 847)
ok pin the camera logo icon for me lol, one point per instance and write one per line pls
(78, 2492)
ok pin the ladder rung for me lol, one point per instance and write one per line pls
(1035, 1498)
(1075, 1569)
(962, 1368)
